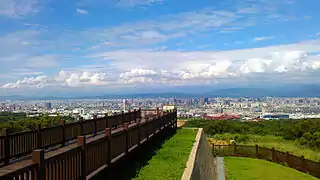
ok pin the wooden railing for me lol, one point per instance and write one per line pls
(17, 145)
(284, 158)
(89, 158)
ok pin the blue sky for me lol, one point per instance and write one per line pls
(95, 46)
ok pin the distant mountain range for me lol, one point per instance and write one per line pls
(267, 91)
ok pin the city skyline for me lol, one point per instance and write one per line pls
(94, 47)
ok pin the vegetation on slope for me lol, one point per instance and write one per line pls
(253, 169)
(270, 141)
(169, 161)
(305, 132)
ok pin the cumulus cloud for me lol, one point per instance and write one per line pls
(316, 65)
(62, 78)
(277, 62)
(263, 38)
(188, 68)
(137, 72)
(38, 81)
(82, 11)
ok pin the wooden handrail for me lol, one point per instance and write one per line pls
(22, 143)
(88, 158)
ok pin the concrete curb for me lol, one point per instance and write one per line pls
(190, 164)
(201, 163)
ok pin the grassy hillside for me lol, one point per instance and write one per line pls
(169, 162)
(270, 141)
(253, 169)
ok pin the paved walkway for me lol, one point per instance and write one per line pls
(220, 168)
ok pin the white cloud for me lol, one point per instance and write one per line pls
(134, 67)
(62, 78)
(18, 8)
(316, 65)
(38, 82)
(263, 38)
(137, 72)
(318, 34)
(82, 11)
(280, 62)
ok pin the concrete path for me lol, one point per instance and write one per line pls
(220, 168)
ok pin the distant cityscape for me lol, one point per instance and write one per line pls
(244, 108)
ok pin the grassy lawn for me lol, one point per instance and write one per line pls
(253, 169)
(169, 162)
(270, 141)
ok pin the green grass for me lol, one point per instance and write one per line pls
(277, 142)
(170, 161)
(253, 169)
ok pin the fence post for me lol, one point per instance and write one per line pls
(140, 115)
(175, 116)
(288, 159)
(39, 137)
(63, 123)
(108, 135)
(122, 118)
(139, 133)
(213, 152)
(95, 124)
(81, 126)
(125, 126)
(82, 143)
(235, 148)
(38, 157)
(257, 151)
(147, 128)
(157, 110)
(5, 133)
(130, 119)
(303, 164)
(273, 155)
(135, 115)
(106, 119)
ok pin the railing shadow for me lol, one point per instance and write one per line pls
(129, 167)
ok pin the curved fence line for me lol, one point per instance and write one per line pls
(283, 158)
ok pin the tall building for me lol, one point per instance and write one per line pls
(206, 100)
(125, 104)
(48, 105)
(201, 101)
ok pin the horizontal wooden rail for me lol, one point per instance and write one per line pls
(284, 158)
(90, 157)
(17, 145)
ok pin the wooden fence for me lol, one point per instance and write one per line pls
(89, 158)
(17, 145)
(284, 158)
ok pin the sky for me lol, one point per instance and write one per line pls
(54, 47)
